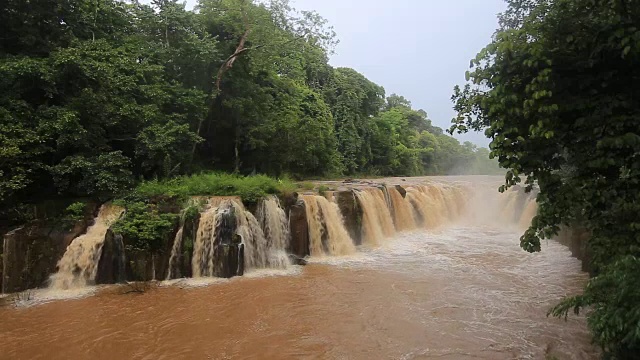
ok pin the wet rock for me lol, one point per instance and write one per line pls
(295, 260)
(230, 260)
(229, 250)
(576, 239)
(183, 261)
(188, 239)
(112, 264)
(351, 213)
(299, 245)
(401, 190)
(30, 253)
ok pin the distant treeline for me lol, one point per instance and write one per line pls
(97, 95)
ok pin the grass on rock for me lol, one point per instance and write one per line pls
(249, 188)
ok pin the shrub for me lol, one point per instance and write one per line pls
(306, 185)
(249, 188)
(74, 212)
(323, 189)
(613, 300)
(144, 227)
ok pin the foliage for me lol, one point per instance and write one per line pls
(193, 208)
(98, 96)
(307, 185)
(322, 189)
(614, 296)
(144, 227)
(74, 212)
(249, 188)
(556, 91)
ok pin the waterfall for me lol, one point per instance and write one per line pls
(428, 203)
(403, 217)
(216, 229)
(122, 259)
(204, 245)
(377, 223)
(518, 207)
(79, 264)
(227, 223)
(509, 209)
(530, 210)
(175, 251)
(442, 206)
(275, 227)
(256, 248)
(327, 234)
(425, 206)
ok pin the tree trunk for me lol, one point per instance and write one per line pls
(237, 155)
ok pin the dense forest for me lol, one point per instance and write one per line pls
(98, 95)
(557, 90)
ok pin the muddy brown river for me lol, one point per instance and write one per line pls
(465, 292)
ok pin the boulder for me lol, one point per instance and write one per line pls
(228, 255)
(295, 260)
(299, 245)
(401, 190)
(30, 253)
(112, 264)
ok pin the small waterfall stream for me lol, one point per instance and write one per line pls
(79, 264)
(275, 227)
(327, 234)
(530, 210)
(175, 251)
(403, 216)
(377, 222)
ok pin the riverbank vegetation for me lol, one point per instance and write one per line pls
(557, 91)
(97, 96)
(249, 188)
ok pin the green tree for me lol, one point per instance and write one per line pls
(353, 100)
(557, 91)
(82, 98)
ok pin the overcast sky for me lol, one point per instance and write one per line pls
(416, 48)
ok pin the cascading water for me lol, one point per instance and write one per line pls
(79, 264)
(425, 206)
(530, 210)
(377, 223)
(431, 204)
(509, 208)
(275, 227)
(216, 222)
(449, 198)
(327, 234)
(227, 223)
(403, 216)
(175, 251)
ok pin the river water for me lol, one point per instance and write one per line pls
(463, 292)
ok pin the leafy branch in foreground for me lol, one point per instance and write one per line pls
(556, 91)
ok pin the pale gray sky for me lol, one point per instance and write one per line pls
(416, 48)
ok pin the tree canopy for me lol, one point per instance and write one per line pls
(557, 92)
(97, 95)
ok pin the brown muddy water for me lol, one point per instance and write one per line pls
(465, 292)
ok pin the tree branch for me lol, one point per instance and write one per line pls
(228, 63)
